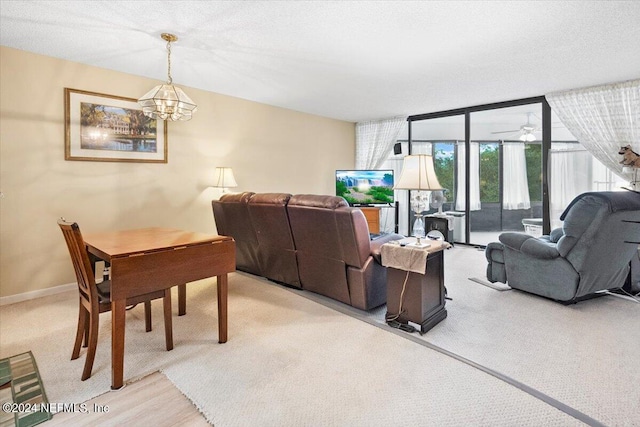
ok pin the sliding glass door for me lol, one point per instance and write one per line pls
(490, 160)
(505, 171)
(440, 137)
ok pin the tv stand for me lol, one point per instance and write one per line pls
(372, 214)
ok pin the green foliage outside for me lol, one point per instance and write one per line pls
(444, 165)
(533, 155)
(490, 178)
(490, 172)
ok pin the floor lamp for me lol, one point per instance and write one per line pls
(418, 174)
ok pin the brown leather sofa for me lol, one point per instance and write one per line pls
(232, 219)
(313, 242)
(276, 251)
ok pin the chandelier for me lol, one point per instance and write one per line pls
(167, 102)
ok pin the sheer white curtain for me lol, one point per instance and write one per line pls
(387, 215)
(474, 180)
(374, 141)
(603, 118)
(570, 174)
(516, 186)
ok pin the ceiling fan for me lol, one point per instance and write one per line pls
(526, 131)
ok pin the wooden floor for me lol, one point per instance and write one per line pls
(153, 400)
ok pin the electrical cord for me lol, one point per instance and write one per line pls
(392, 319)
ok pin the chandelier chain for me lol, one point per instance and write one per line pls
(170, 80)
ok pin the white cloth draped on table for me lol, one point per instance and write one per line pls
(404, 258)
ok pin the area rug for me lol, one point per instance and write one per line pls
(24, 401)
(289, 361)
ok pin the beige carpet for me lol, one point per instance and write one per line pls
(584, 355)
(288, 361)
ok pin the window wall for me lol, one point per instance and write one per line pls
(507, 142)
(510, 166)
(490, 160)
(522, 170)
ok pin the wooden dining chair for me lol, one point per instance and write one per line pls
(96, 299)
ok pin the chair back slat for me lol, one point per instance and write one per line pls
(80, 259)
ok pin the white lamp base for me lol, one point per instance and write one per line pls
(419, 243)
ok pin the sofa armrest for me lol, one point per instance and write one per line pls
(377, 244)
(494, 252)
(529, 245)
(496, 271)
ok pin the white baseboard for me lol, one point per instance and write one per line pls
(12, 299)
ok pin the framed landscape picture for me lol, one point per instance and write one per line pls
(107, 128)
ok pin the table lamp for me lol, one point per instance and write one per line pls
(225, 179)
(418, 174)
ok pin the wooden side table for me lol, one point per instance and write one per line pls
(423, 299)
(373, 218)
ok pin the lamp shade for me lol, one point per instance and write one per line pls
(225, 178)
(418, 174)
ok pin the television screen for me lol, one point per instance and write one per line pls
(365, 187)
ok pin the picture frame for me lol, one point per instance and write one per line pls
(109, 128)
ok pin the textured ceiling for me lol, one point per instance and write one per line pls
(351, 60)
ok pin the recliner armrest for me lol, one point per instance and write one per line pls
(377, 244)
(530, 245)
(555, 235)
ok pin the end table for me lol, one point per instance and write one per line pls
(415, 283)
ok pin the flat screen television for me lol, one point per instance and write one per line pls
(365, 187)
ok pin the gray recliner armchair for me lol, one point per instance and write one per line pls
(590, 253)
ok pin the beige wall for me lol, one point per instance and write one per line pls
(270, 149)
